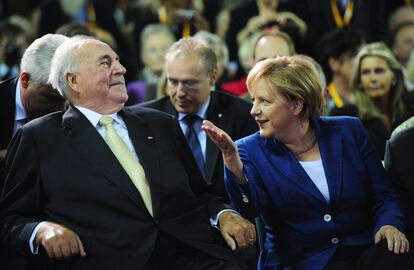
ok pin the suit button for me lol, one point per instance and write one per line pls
(245, 198)
(335, 240)
(327, 217)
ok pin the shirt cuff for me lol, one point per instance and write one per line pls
(34, 248)
(214, 220)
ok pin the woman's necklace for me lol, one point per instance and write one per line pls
(314, 141)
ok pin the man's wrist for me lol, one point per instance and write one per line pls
(215, 221)
(34, 247)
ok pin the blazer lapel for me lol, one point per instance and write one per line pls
(144, 143)
(331, 149)
(288, 165)
(87, 141)
(215, 115)
(168, 107)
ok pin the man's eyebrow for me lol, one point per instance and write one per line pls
(108, 57)
(104, 57)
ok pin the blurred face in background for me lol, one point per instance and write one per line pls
(404, 43)
(269, 47)
(153, 52)
(220, 63)
(72, 7)
(376, 76)
(12, 48)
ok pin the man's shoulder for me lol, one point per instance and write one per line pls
(148, 113)
(45, 120)
(404, 137)
(7, 89)
(403, 126)
(229, 101)
(158, 104)
(338, 122)
(9, 82)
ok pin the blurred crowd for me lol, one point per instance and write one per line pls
(360, 53)
(363, 46)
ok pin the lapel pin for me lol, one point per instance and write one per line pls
(220, 115)
(150, 138)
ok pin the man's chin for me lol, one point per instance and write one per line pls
(183, 109)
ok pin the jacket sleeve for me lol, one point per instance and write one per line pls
(386, 210)
(244, 199)
(21, 197)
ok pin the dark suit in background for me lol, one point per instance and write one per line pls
(7, 110)
(229, 113)
(399, 161)
(7, 115)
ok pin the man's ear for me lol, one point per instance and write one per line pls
(24, 79)
(297, 106)
(73, 81)
(213, 77)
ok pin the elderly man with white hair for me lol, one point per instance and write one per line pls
(108, 188)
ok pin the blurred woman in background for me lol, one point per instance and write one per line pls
(377, 89)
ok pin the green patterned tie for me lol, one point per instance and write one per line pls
(130, 164)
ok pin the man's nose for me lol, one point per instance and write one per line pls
(181, 89)
(120, 69)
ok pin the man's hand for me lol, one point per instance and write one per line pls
(236, 231)
(396, 240)
(59, 241)
(3, 154)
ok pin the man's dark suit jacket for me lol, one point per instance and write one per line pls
(7, 115)
(399, 157)
(60, 169)
(7, 110)
(227, 112)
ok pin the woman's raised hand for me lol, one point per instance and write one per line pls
(228, 148)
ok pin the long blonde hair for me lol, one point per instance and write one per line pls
(367, 108)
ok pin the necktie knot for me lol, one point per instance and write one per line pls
(190, 119)
(105, 121)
